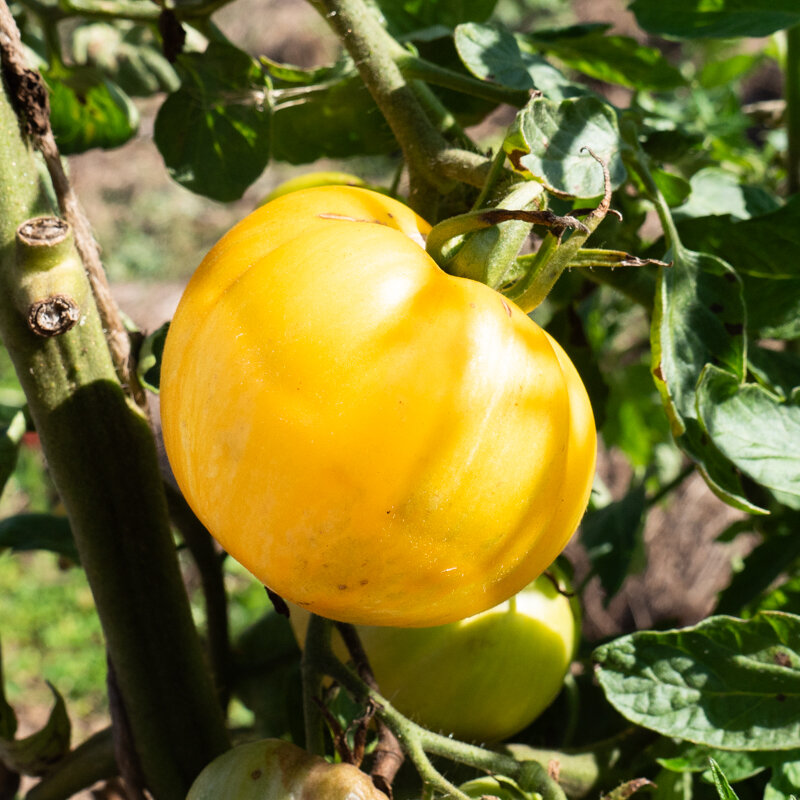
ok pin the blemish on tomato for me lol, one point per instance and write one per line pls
(507, 307)
(256, 774)
(341, 587)
(363, 582)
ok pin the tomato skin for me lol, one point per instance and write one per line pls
(481, 679)
(375, 440)
(272, 769)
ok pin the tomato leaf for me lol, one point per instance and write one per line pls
(725, 19)
(737, 765)
(547, 142)
(698, 319)
(495, 55)
(127, 54)
(784, 783)
(213, 133)
(335, 117)
(758, 431)
(148, 367)
(611, 536)
(613, 59)
(721, 782)
(404, 17)
(38, 531)
(88, 110)
(715, 193)
(36, 753)
(726, 682)
(776, 554)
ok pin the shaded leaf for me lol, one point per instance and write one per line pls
(727, 683)
(737, 765)
(495, 55)
(547, 142)
(611, 537)
(777, 370)
(785, 597)
(773, 307)
(613, 59)
(755, 246)
(723, 18)
(36, 531)
(88, 110)
(784, 783)
(148, 367)
(127, 54)
(755, 429)
(213, 133)
(10, 438)
(763, 564)
(674, 188)
(405, 17)
(36, 753)
(698, 319)
(333, 116)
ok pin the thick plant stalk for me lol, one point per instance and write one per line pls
(102, 456)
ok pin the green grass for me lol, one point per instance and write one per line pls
(50, 632)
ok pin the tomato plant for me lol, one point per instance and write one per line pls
(483, 678)
(385, 404)
(380, 443)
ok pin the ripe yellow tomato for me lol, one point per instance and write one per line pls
(375, 440)
(272, 769)
(481, 679)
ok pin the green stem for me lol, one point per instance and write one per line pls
(317, 645)
(372, 50)
(792, 81)
(418, 68)
(101, 453)
(418, 741)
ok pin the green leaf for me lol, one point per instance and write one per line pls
(36, 531)
(722, 18)
(613, 59)
(611, 536)
(737, 765)
(674, 188)
(87, 110)
(777, 370)
(755, 246)
(35, 754)
(148, 367)
(407, 16)
(698, 319)
(721, 782)
(214, 132)
(776, 554)
(727, 683)
(333, 116)
(127, 54)
(495, 55)
(773, 307)
(673, 786)
(785, 597)
(784, 783)
(715, 192)
(10, 438)
(547, 142)
(755, 429)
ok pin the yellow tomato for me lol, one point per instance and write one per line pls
(375, 440)
(483, 678)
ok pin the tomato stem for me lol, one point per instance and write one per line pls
(317, 647)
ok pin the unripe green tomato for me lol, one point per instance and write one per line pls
(311, 180)
(276, 770)
(375, 440)
(481, 679)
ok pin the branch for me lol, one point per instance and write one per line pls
(30, 99)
